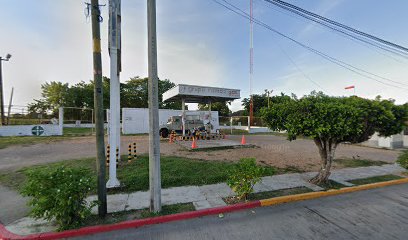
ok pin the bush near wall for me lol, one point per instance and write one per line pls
(59, 195)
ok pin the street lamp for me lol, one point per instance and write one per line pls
(7, 58)
(268, 92)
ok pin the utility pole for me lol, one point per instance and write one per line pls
(114, 109)
(98, 106)
(9, 106)
(3, 122)
(153, 89)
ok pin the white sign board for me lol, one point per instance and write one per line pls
(201, 91)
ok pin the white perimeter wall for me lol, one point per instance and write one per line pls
(136, 120)
(26, 130)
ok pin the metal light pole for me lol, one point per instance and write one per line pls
(3, 122)
(153, 89)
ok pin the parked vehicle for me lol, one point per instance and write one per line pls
(193, 124)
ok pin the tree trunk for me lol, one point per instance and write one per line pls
(326, 152)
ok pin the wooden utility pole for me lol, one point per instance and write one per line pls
(98, 106)
(153, 89)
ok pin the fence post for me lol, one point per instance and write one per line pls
(249, 124)
(61, 120)
(231, 124)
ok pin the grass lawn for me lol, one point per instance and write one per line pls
(9, 141)
(383, 178)
(134, 176)
(139, 214)
(332, 185)
(278, 193)
(269, 194)
(353, 163)
(78, 131)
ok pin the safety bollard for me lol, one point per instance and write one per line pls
(117, 157)
(134, 151)
(130, 153)
(107, 155)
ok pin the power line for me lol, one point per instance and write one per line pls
(327, 57)
(373, 48)
(282, 4)
(327, 25)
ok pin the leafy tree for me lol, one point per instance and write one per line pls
(330, 121)
(134, 93)
(261, 101)
(221, 107)
(239, 113)
(38, 107)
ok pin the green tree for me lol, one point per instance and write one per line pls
(330, 121)
(261, 101)
(221, 107)
(134, 94)
(38, 107)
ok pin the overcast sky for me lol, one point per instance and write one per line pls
(200, 42)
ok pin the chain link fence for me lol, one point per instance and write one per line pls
(20, 115)
(240, 124)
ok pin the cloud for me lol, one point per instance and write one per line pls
(323, 9)
(59, 48)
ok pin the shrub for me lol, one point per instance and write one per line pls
(403, 159)
(243, 176)
(59, 194)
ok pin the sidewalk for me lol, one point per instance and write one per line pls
(210, 196)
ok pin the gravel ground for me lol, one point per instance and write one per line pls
(270, 150)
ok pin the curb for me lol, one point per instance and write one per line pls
(333, 192)
(5, 234)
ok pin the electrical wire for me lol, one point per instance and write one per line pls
(369, 46)
(327, 25)
(327, 57)
(282, 4)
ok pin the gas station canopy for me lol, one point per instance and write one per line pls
(200, 94)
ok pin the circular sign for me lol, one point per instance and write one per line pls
(37, 130)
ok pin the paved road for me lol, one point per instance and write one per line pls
(374, 214)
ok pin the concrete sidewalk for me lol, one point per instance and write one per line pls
(209, 196)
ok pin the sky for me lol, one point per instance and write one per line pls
(202, 43)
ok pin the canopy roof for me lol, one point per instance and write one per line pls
(200, 94)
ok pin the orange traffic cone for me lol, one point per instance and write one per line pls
(194, 144)
(243, 141)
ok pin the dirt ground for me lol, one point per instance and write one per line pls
(271, 150)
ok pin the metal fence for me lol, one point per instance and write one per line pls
(20, 115)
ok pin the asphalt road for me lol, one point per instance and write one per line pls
(373, 214)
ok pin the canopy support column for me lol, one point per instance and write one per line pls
(183, 115)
